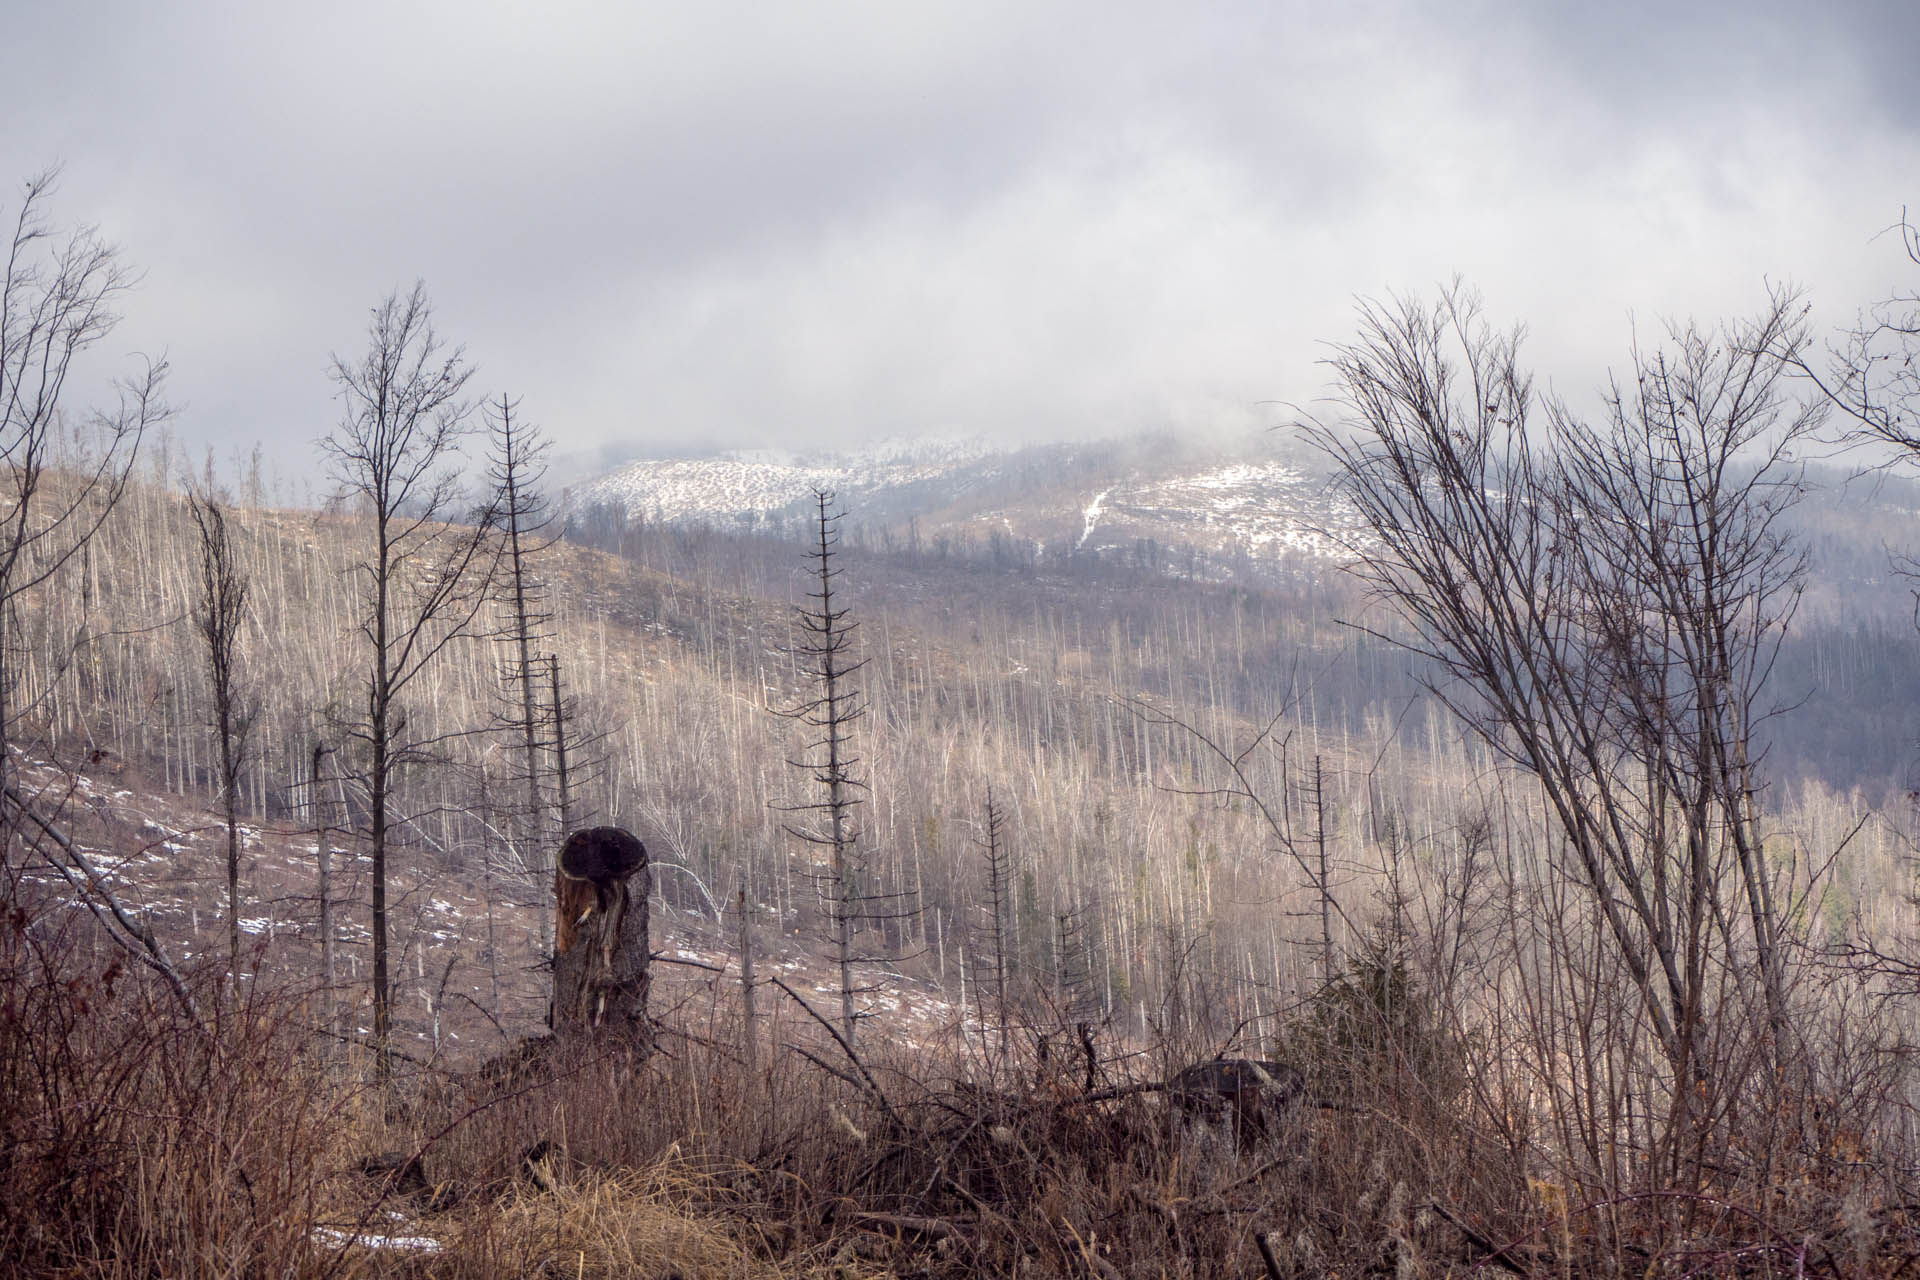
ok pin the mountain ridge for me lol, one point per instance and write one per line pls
(1259, 499)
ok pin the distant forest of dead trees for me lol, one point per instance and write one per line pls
(1061, 693)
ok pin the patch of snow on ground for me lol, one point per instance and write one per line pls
(341, 1239)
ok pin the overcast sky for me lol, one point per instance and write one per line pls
(669, 227)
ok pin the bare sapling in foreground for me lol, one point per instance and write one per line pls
(1600, 601)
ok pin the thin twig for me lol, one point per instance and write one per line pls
(137, 939)
(1496, 1254)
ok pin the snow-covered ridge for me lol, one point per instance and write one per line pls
(1263, 507)
(742, 486)
(1070, 498)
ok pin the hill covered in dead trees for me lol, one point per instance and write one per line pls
(1514, 878)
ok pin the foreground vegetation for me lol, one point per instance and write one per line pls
(141, 1142)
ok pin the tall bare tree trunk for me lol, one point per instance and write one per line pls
(323, 852)
(425, 578)
(563, 780)
(825, 654)
(749, 1015)
(222, 609)
(1324, 885)
(379, 779)
(515, 467)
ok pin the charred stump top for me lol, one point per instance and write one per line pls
(602, 854)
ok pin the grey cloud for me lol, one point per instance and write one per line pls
(735, 224)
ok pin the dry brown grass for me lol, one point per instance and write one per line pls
(138, 1144)
(130, 1135)
(656, 1221)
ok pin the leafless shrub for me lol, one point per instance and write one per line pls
(138, 1141)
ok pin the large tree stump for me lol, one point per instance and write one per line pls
(600, 976)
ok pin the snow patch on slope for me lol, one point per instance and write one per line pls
(1093, 517)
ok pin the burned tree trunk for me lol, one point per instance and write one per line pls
(1253, 1099)
(600, 977)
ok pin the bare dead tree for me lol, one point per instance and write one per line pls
(422, 579)
(994, 951)
(1073, 996)
(218, 617)
(1602, 605)
(562, 770)
(58, 294)
(826, 657)
(1678, 503)
(580, 760)
(1236, 777)
(1322, 884)
(317, 802)
(515, 468)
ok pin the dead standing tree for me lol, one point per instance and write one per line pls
(1601, 604)
(422, 579)
(515, 468)
(993, 951)
(218, 617)
(57, 299)
(826, 660)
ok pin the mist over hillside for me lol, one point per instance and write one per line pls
(1006, 529)
(1260, 498)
